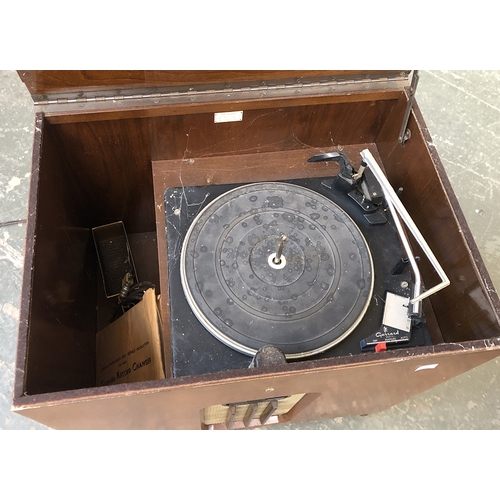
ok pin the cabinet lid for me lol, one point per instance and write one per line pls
(55, 85)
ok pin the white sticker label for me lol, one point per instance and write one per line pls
(396, 312)
(426, 367)
(230, 116)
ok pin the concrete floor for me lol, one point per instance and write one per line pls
(462, 112)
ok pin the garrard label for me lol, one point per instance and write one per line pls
(230, 116)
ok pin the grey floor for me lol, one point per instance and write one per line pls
(462, 111)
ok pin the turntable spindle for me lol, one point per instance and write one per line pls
(281, 244)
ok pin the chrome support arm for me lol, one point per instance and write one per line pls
(399, 211)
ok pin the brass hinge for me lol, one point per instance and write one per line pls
(328, 84)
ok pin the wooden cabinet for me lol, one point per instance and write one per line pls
(108, 144)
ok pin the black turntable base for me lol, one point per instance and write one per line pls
(294, 264)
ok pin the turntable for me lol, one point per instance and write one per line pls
(315, 268)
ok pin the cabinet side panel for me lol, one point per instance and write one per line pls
(61, 329)
(330, 391)
(110, 161)
(468, 309)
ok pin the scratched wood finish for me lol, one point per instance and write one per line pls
(111, 159)
(111, 162)
(59, 341)
(468, 308)
(334, 388)
(264, 130)
(60, 81)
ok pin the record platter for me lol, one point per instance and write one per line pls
(313, 267)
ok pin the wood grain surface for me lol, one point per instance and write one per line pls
(105, 165)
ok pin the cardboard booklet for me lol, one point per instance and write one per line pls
(129, 349)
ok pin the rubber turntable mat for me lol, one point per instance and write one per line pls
(196, 351)
(304, 303)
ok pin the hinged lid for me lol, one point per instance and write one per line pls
(66, 87)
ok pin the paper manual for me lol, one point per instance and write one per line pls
(129, 349)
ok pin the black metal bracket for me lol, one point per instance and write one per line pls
(404, 133)
(346, 171)
(365, 189)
